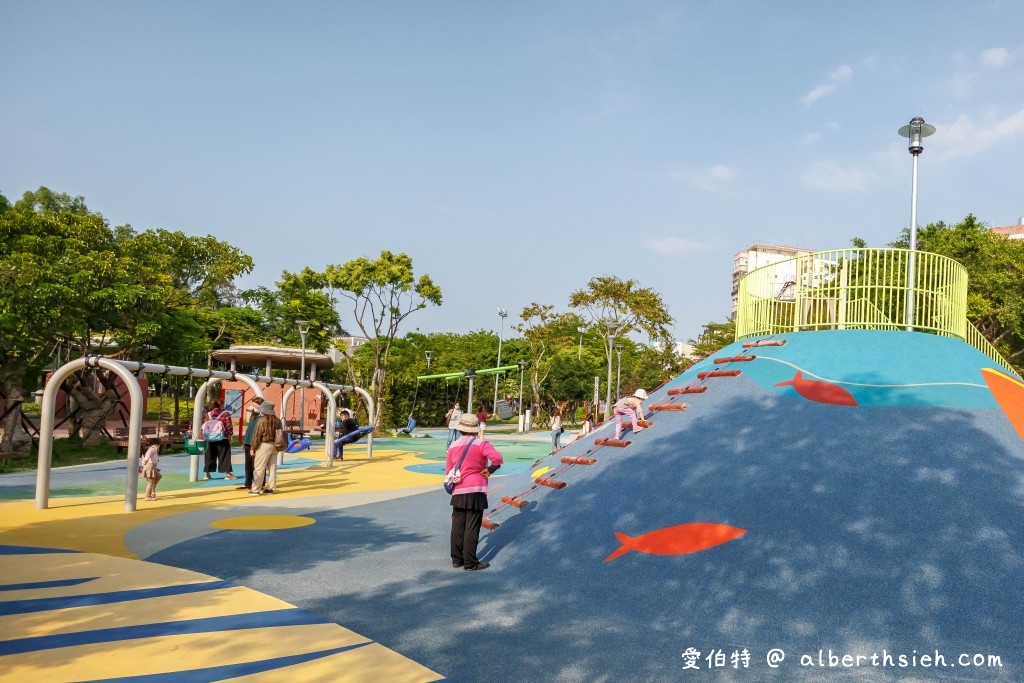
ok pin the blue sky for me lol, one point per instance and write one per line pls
(516, 149)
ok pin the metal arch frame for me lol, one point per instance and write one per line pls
(129, 371)
(198, 409)
(48, 416)
(371, 410)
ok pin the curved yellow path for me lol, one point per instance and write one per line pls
(99, 613)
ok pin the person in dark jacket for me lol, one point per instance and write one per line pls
(347, 426)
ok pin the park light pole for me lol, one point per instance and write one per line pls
(504, 314)
(429, 355)
(579, 354)
(612, 326)
(618, 378)
(303, 326)
(914, 131)
(522, 367)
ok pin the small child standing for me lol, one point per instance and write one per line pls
(150, 471)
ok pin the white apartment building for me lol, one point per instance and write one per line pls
(758, 255)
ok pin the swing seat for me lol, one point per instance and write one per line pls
(193, 447)
(352, 437)
(296, 445)
(504, 410)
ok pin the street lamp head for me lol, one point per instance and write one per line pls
(914, 132)
(303, 326)
(502, 312)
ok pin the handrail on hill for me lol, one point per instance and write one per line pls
(855, 288)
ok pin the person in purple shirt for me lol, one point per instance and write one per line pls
(469, 499)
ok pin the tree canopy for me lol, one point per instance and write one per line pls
(382, 294)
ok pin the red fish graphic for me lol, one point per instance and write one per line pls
(820, 392)
(677, 540)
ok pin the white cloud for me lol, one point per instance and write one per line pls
(816, 137)
(843, 73)
(722, 172)
(828, 175)
(995, 57)
(673, 245)
(962, 138)
(840, 75)
(816, 94)
(708, 179)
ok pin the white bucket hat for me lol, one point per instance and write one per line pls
(640, 394)
(468, 424)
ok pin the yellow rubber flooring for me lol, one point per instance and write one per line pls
(98, 613)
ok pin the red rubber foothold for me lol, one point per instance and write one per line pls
(687, 390)
(553, 483)
(670, 406)
(515, 502)
(578, 460)
(614, 443)
(764, 342)
(488, 524)
(717, 373)
(734, 359)
(645, 423)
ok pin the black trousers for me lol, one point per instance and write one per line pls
(250, 465)
(465, 535)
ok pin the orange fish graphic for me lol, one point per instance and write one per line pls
(820, 392)
(677, 540)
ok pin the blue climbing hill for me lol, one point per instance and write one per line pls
(849, 493)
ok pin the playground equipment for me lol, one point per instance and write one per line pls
(866, 289)
(129, 371)
(470, 374)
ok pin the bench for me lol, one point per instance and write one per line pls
(293, 427)
(171, 434)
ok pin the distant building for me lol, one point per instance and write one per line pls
(1014, 232)
(758, 255)
(347, 344)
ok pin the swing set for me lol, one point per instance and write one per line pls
(503, 409)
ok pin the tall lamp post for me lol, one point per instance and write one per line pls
(612, 326)
(303, 326)
(522, 367)
(429, 355)
(579, 354)
(504, 314)
(914, 131)
(618, 377)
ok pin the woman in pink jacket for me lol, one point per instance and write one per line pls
(469, 499)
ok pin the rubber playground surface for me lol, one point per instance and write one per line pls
(850, 496)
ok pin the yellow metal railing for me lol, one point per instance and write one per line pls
(859, 289)
(978, 341)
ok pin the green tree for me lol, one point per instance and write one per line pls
(545, 332)
(619, 307)
(70, 281)
(383, 293)
(61, 279)
(715, 337)
(995, 271)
